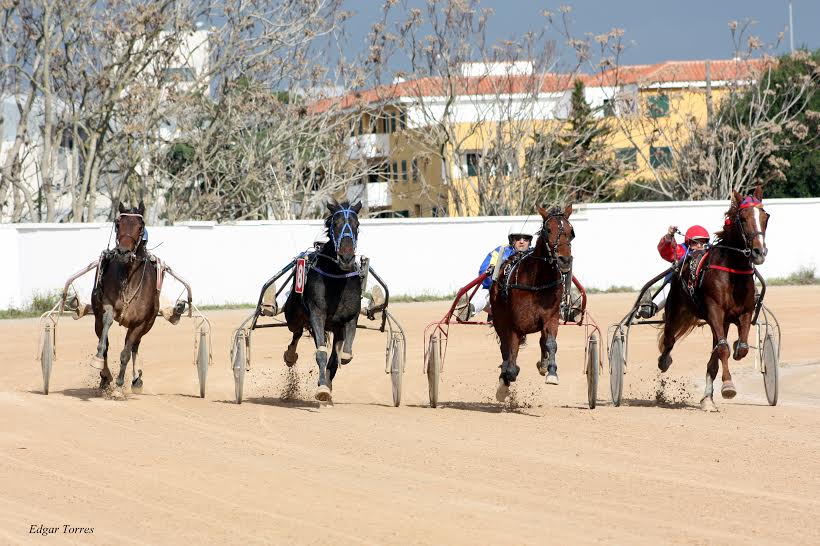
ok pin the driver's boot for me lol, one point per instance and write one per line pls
(269, 307)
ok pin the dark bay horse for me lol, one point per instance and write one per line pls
(527, 297)
(331, 300)
(126, 291)
(720, 290)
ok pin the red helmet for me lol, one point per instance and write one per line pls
(697, 232)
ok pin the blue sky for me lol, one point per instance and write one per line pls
(654, 30)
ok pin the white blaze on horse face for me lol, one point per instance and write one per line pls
(758, 229)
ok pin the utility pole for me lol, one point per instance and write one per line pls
(791, 27)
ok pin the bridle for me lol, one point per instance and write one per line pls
(346, 231)
(137, 240)
(748, 202)
(552, 251)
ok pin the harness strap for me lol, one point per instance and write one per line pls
(730, 270)
(333, 275)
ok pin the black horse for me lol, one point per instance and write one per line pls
(331, 300)
(125, 290)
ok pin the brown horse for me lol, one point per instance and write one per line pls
(721, 291)
(527, 297)
(125, 290)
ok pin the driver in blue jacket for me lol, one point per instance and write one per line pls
(518, 242)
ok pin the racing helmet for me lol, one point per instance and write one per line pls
(525, 230)
(697, 233)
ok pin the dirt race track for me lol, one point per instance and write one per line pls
(167, 466)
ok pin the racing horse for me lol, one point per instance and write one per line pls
(717, 286)
(126, 291)
(527, 296)
(331, 299)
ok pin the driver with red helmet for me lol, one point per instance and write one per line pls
(670, 250)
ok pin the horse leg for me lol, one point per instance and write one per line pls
(102, 335)
(711, 374)
(102, 326)
(719, 328)
(741, 346)
(347, 333)
(133, 337)
(333, 361)
(509, 368)
(291, 356)
(550, 344)
(317, 324)
(136, 378)
(665, 360)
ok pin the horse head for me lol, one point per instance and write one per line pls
(129, 225)
(557, 235)
(747, 216)
(343, 231)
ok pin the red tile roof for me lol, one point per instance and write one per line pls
(642, 75)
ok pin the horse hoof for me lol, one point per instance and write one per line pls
(291, 357)
(345, 358)
(541, 368)
(741, 350)
(708, 404)
(728, 390)
(502, 392)
(664, 361)
(552, 379)
(323, 394)
(136, 386)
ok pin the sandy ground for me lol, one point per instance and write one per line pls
(167, 466)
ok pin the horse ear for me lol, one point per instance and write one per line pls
(568, 210)
(357, 207)
(758, 193)
(121, 208)
(736, 199)
(332, 205)
(141, 208)
(542, 211)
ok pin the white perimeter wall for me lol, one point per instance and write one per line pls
(615, 245)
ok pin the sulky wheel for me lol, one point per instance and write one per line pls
(770, 368)
(592, 370)
(202, 361)
(433, 369)
(396, 359)
(238, 365)
(616, 366)
(47, 355)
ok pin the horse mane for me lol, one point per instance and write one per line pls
(728, 228)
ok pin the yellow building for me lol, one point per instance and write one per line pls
(424, 139)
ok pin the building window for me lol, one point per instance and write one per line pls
(414, 170)
(402, 213)
(439, 212)
(658, 106)
(395, 172)
(472, 160)
(628, 156)
(402, 120)
(660, 157)
(417, 211)
(609, 107)
(404, 170)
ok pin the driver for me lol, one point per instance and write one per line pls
(695, 239)
(518, 241)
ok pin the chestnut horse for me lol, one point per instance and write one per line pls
(721, 291)
(527, 296)
(125, 290)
